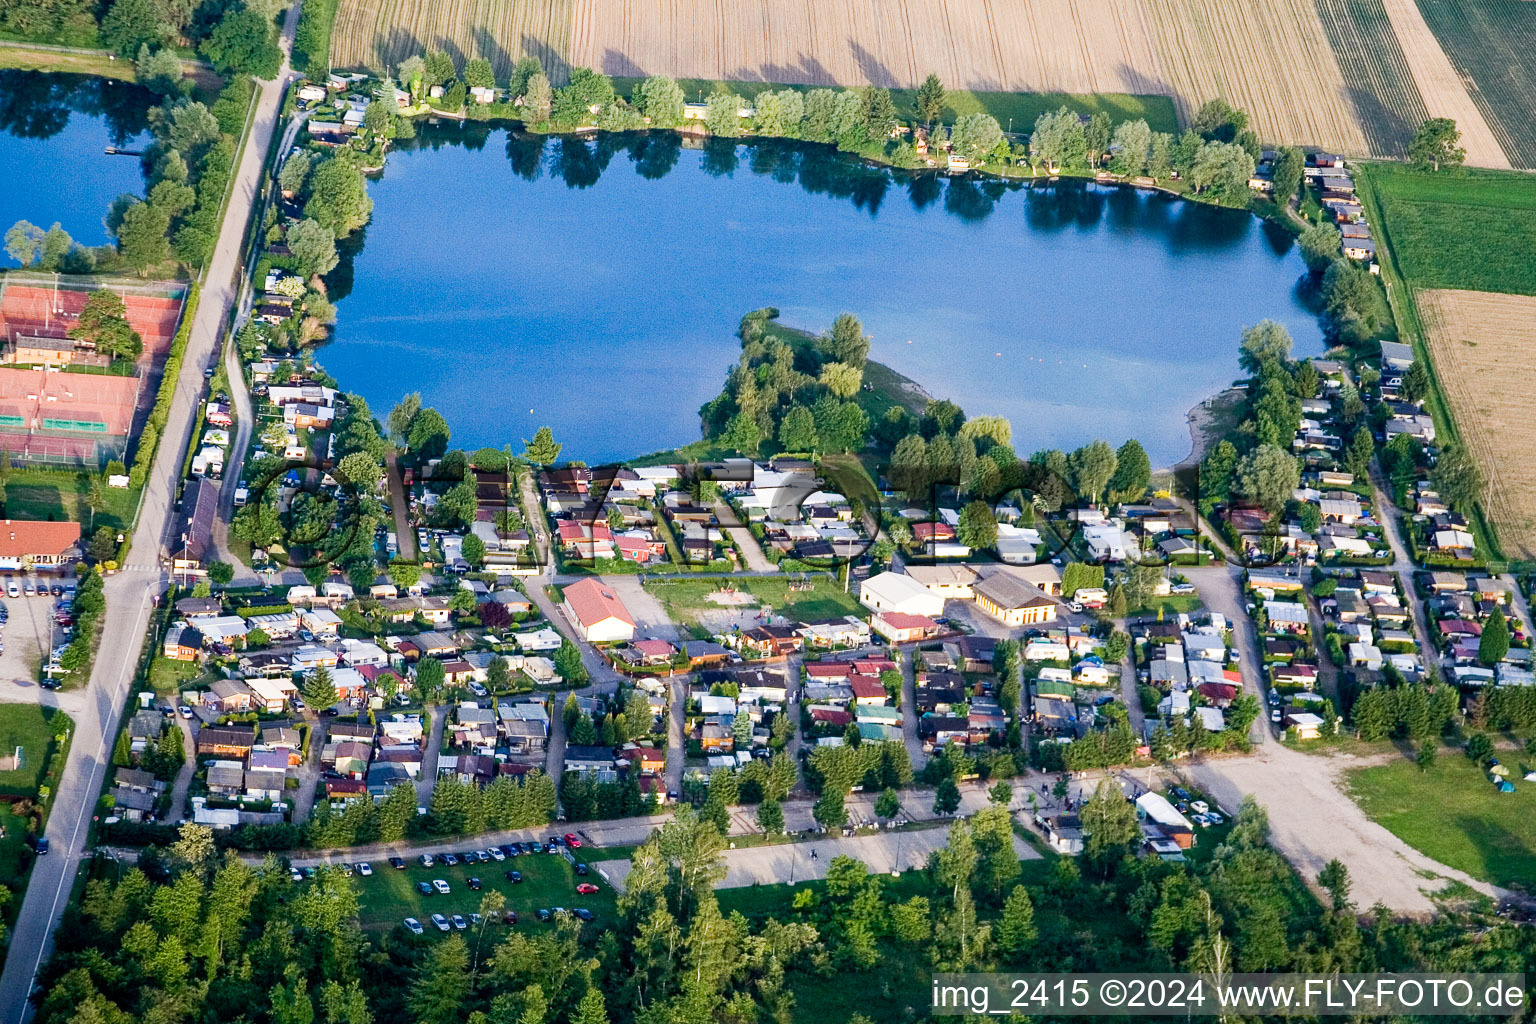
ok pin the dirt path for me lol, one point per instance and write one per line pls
(405, 537)
(1312, 821)
(1442, 88)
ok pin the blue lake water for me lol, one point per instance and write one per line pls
(596, 287)
(54, 130)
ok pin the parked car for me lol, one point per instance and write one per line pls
(572, 841)
(583, 913)
(514, 877)
(474, 883)
(425, 860)
(41, 846)
(365, 869)
(440, 922)
(459, 922)
(475, 919)
(543, 914)
(186, 712)
(425, 888)
(497, 853)
(511, 917)
(449, 859)
(398, 863)
(413, 926)
(582, 869)
(586, 888)
(441, 886)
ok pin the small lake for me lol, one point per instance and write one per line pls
(54, 131)
(596, 286)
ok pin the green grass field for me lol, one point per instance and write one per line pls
(1464, 229)
(1490, 43)
(1018, 108)
(30, 728)
(390, 896)
(1453, 814)
(60, 494)
(685, 599)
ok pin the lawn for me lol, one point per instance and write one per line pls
(60, 494)
(1453, 814)
(685, 599)
(30, 728)
(1466, 229)
(390, 896)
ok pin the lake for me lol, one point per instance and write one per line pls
(54, 130)
(596, 287)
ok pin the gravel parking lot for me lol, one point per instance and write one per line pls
(786, 862)
(28, 636)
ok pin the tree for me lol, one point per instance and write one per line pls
(978, 526)
(879, 113)
(478, 74)
(1416, 382)
(103, 323)
(975, 136)
(743, 434)
(132, 24)
(1132, 144)
(661, 99)
(722, 114)
(1334, 877)
(1319, 246)
(314, 246)
(538, 100)
(770, 817)
(443, 984)
(473, 549)
(542, 450)
(243, 43)
(1223, 170)
(797, 430)
(1494, 644)
(428, 437)
(1289, 168)
(219, 572)
(1266, 476)
(1359, 453)
(1091, 468)
(338, 198)
(23, 242)
(887, 804)
(1096, 134)
(404, 575)
(141, 239)
(568, 663)
(1354, 302)
(1266, 342)
(1016, 930)
(1109, 821)
(1434, 145)
(842, 379)
(930, 99)
(319, 689)
(1457, 477)
(1425, 758)
(847, 343)
(1133, 472)
(946, 797)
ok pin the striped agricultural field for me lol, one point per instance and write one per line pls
(1380, 83)
(1492, 45)
(1480, 348)
(381, 33)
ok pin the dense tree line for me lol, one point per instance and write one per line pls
(190, 934)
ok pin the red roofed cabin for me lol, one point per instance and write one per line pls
(597, 613)
(28, 544)
(900, 629)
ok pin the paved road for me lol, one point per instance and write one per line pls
(428, 777)
(178, 808)
(241, 398)
(1221, 589)
(129, 594)
(751, 551)
(1391, 525)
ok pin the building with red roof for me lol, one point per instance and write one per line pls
(597, 613)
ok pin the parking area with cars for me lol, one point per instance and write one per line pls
(530, 878)
(34, 627)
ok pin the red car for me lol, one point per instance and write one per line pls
(571, 841)
(586, 888)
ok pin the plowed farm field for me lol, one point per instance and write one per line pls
(1354, 76)
(1480, 343)
(381, 33)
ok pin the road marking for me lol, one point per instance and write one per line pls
(86, 808)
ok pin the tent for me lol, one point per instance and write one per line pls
(1505, 786)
